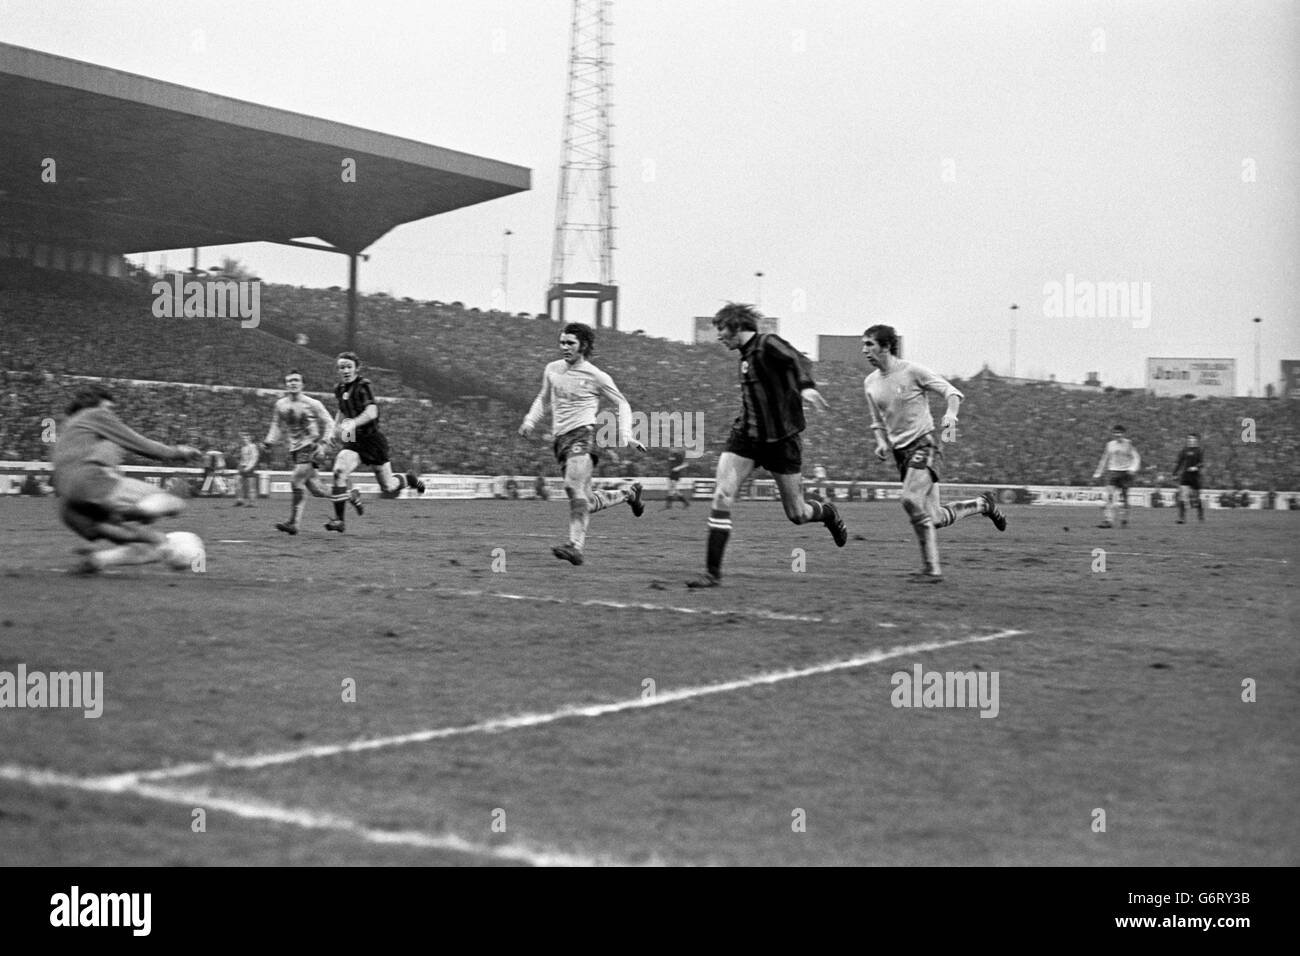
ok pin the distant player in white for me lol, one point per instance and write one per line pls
(1120, 462)
(249, 453)
(572, 388)
(898, 396)
(306, 425)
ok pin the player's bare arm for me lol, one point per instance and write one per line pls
(815, 399)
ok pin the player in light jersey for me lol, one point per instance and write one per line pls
(1120, 461)
(363, 443)
(249, 453)
(572, 388)
(898, 396)
(1187, 472)
(97, 501)
(306, 425)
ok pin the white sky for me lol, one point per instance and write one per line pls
(810, 141)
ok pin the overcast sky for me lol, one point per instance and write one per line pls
(921, 164)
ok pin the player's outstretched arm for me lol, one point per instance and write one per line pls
(815, 399)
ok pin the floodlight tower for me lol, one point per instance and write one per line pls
(584, 215)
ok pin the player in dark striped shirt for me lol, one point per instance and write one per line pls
(775, 381)
(1187, 471)
(363, 443)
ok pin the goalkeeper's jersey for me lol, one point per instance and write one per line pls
(300, 421)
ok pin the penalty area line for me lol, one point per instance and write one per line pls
(249, 808)
(522, 721)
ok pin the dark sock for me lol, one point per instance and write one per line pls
(340, 496)
(719, 532)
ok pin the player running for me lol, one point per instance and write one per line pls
(97, 501)
(775, 381)
(357, 427)
(1187, 472)
(572, 387)
(1120, 461)
(306, 425)
(898, 396)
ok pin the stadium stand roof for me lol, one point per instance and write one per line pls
(144, 165)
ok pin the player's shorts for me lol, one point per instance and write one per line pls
(922, 454)
(784, 457)
(1190, 479)
(1119, 479)
(306, 455)
(372, 448)
(96, 494)
(578, 441)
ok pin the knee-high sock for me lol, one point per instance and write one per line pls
(299, 503)
(719, 532)
(1182, 508)
(954, 512)
(1109, 510)
(923, 526)
(600, 500)
(339, 494)
(579, 515)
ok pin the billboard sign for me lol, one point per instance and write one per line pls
(1291, 378)
(1192, 376)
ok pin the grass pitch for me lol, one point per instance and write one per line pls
(511, 708)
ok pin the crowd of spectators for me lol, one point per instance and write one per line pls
(463, 379)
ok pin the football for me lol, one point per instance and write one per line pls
(183, 551)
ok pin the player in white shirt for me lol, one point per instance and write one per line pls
(249, 453)
(898, 396)
(1120, 461)
(572, 388)
(306, 425)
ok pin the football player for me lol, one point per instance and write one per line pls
(1120, 461)
(572, 388)
(775, 381)
(898, 395)
(357, 427)
(96, 500)
(306, 425)
(1187, 472)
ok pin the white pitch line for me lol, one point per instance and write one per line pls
(620, 605)
(521, 721)
(252, 809)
